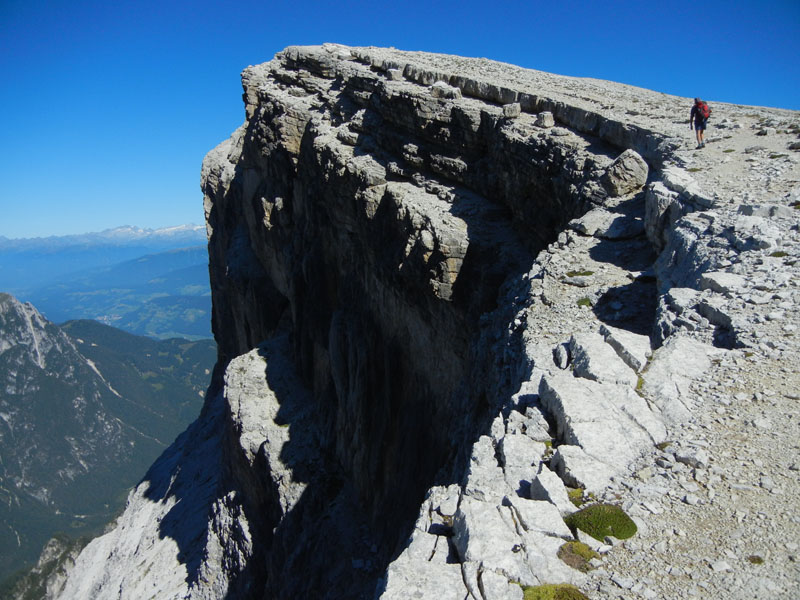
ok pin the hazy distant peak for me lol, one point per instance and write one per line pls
(122, 235)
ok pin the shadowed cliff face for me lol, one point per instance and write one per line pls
(376, 219)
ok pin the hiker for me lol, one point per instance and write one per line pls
(699, 115)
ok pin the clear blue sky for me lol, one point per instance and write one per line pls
(107, 108)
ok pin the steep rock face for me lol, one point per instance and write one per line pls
(380, 218)
(451, 260)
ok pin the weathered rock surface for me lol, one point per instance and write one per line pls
(463, 353)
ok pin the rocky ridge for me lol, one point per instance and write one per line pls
(484, 286)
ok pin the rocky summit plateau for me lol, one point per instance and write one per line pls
(453, 300)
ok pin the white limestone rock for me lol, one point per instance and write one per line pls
(722, 282)
(541, 516)
(767, 211)
(521, 458)
(541, 556)
(416, 578)
(549, 486)
(672, 369)
(593, 358)
(610, 423)
(485, 479)
(594, 221)
(495, 586)
(633, 348)
(681, 299)
(580, 470)
(482, 535)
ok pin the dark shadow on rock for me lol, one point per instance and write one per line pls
(631, 307)
(189, 472)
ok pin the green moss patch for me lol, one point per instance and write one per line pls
(577, 555)
(778, 254)
(729, 150)
(576, 496)
(778, 155)
(601, 520)
(585, 302)
(579, 273)
(694, 169)
(549, 591)
(755, 559)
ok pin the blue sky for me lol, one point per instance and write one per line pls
(107, 108)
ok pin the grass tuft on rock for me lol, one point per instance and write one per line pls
(577, 555)
(550, 591)
(576, 496)
(601, 520)
(585, 302)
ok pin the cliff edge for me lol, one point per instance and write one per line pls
(451, 297)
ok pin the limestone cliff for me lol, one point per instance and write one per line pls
(434, 286)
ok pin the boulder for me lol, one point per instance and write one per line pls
(441, 90)
(626, 174)
(545, 119)
(661, 209)
(512, 111)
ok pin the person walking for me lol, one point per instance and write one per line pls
(699, 116)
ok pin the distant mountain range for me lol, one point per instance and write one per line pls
(84, 410)
(148, 282)
(32, 262)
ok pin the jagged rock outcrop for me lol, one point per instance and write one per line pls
(453, 261)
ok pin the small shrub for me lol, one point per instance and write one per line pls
(729, 150)
(694, 169)
(583, 273)
(601, 520)
(755, 559)
(778, 155)
(577, 555)
(585, 302)
(549, 591)
(779, 254)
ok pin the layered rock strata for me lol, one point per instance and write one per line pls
(434, 287)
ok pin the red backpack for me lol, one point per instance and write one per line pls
(703, 110)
